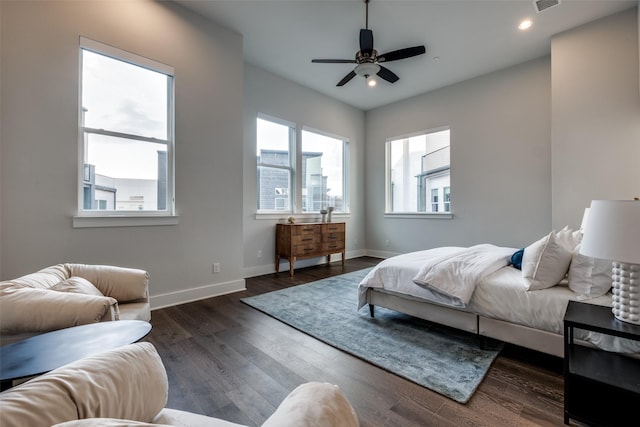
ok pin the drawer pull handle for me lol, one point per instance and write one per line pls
(333, 246)
(307, 240)
(307, 229)
(308, 250)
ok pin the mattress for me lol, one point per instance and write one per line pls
(500, 295)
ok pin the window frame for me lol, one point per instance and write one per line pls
(388, 213)
(110, 218)
(295, 161)
(291, 168)
(345, 169)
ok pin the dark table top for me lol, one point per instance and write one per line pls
(45, 352)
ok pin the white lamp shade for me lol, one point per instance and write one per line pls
(613, 231)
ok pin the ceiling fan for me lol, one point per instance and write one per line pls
(368, 60)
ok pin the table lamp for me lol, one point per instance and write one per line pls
(612, 232)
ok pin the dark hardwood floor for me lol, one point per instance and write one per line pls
(228, 360)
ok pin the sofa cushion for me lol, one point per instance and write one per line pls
(126, 383)
(77, 285)
(123, 284)
(330, 408)
(24, 309)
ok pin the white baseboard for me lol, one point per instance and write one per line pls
(380, 254)
(259, 270)
(195, 294)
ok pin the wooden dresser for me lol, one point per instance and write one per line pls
(308, 240)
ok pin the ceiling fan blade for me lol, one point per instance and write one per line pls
(346, 78)
(366, 42)
(334, 61)
(387, 74)
(402, 53)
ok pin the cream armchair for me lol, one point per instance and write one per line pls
(128, 386)
(67, 295)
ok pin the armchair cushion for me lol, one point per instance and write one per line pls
(123, 284)
(127, 383)
(24, 309)
(330, 407)
(77, 285)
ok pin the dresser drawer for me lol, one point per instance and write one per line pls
(306, 239)
(333, 246)
(332, 237)
(333, 227)
(300, 250)
(302, 230)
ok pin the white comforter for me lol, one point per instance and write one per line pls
(457, 274)
(447, 275)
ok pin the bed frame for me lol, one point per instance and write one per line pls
(535, 339)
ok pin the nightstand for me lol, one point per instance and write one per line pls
(601, 388)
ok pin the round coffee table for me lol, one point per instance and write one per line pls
(45, 352)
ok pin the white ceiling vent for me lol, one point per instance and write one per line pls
(545, 4)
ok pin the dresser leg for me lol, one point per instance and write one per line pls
(277, 263)
(292, 262)
(343, 257)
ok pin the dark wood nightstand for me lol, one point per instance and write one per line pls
(601, 388)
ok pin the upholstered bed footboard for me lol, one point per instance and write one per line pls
(523, 336)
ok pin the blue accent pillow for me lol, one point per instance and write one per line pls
(516, 259)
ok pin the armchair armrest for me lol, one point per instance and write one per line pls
(123, 284)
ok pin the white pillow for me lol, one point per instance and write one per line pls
(569, 238)
(545, 262)
(589, 277)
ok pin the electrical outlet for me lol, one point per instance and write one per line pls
(259, 254)
(216, 267)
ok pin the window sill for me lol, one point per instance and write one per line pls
(301, 217)
(123, 221)
(418, 215)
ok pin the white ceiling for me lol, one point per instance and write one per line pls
(464, 38)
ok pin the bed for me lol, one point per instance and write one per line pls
(479, 289)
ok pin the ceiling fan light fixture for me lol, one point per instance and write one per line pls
(372, 81)
(367, 69)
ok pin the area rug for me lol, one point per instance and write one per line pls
(442, 359)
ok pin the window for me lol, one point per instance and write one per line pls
(418, 173)
(322, 172)
(126, 133)
(320, 182)
(275, 142)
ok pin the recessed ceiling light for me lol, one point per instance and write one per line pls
(525, 24)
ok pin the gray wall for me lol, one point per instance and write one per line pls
(562, 129)
(269, 94)
(531, 145)
(40, 151)
(595, 115)
(500, 161)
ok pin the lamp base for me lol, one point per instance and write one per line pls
(625, 289)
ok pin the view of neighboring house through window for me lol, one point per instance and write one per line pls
(275, 142)
(126, 132)
(322, 172)
(418, 173)
(321, 180)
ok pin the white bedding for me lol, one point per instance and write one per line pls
(500, 295)
(458, 274)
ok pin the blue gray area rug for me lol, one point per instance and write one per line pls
(442, 359)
